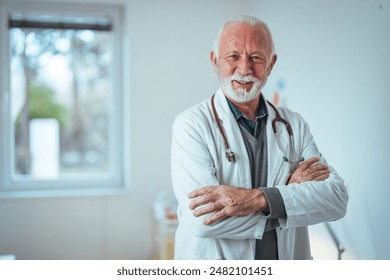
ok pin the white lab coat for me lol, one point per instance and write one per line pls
(198, 159)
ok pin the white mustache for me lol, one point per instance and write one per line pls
(243, 79)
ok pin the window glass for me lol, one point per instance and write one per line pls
(60, 95)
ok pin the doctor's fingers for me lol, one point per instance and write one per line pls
(315, 168)
(201, 191)
(226, 212)
(208, 208)
(202, 200)
(318, 175)
(219, 216)
(310, 174)
(307, 163)
(321, 177)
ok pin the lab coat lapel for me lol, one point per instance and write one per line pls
(234, 138)
(277, 168)
(274, 155)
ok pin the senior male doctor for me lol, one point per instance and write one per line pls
(246, 190)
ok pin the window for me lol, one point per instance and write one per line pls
(62, 97)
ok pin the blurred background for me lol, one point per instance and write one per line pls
(90, 88)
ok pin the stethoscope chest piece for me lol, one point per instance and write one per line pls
(229, 153)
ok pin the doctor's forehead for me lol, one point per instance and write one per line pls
(240, 35)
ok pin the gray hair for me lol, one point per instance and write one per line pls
(250, 20)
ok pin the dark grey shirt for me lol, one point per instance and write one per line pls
(255, 138)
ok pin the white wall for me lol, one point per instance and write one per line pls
(334, 58)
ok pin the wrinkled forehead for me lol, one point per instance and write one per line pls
(241, 35)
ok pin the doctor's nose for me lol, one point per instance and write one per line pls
(244, 67)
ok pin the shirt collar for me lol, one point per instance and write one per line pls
(261, 110)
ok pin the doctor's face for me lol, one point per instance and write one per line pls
(244, 61)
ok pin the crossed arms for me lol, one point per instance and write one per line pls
(227, 201)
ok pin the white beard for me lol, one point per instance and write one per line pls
(241, 95)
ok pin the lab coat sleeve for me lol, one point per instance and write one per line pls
(193, 167)
(313, 202)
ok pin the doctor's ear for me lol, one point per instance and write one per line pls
(214, 60)
(273, 61)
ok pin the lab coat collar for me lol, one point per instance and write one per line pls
(224, 110)
(237, 144)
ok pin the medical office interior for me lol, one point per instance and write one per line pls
(332, 68)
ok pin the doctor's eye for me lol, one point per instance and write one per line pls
(232, 57)
(257, 59)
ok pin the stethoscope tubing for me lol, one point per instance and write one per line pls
(278, 118)
(229, 154)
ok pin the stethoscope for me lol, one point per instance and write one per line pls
(292, 159)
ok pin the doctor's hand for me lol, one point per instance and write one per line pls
(226, 201)
(309, 170)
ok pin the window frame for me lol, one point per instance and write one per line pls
(115, 180)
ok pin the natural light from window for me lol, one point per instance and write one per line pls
(62, 94)
(60, 91)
